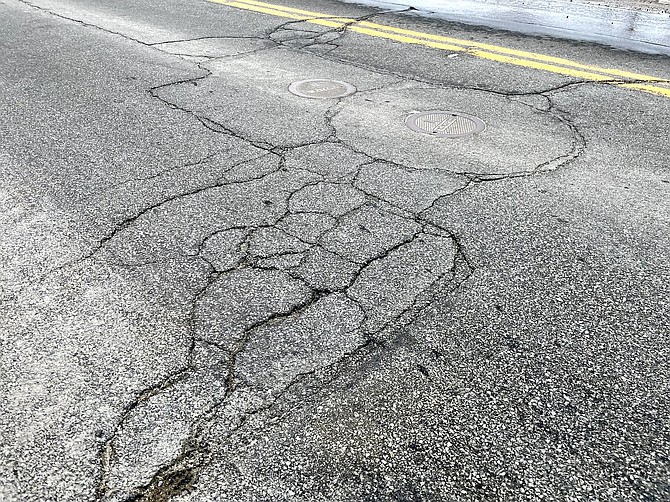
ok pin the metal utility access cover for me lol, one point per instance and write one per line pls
(318, 88)
(445, 124)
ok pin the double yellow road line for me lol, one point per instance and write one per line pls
(637, 81)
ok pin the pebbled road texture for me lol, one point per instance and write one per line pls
(213, 289)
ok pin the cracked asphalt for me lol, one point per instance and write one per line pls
(212, 289)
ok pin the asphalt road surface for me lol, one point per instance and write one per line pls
(213, 289)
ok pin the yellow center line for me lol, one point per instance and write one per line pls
(455, 41)
(331, 21)
(514, 52)
(481, 50)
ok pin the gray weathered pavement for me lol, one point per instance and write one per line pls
(213, 289)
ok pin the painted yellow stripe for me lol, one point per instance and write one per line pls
(300, 12)
(406, 39)
(481, 50)
(275, 12)
(500, 58)
(661, 91)
(461, 43)
(515, 52)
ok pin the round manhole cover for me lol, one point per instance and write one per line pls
(445, 124)
(318, 88)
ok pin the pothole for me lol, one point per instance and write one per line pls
(445, 124)
(318, 88)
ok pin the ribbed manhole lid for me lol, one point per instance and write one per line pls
(319, 88)
(445, 124)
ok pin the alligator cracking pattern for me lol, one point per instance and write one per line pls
(328, 251)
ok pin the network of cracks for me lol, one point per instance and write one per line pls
(317, 244)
